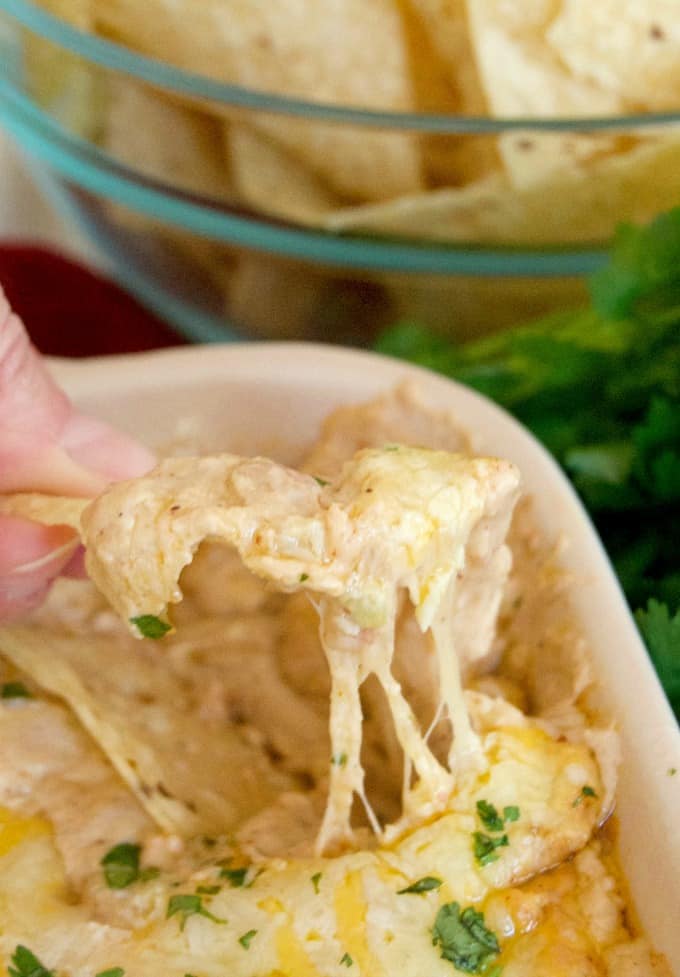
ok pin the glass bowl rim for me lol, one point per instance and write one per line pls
(112, 55)
(83, 164)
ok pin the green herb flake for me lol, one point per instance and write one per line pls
(246, 939)
(511, 813)
(346, 960)
(147, 874)
(339, 759)
(150, 626)
(489, 816)
(485, 847)
(208, 890)
(672, 771)
(187, 905)
(303, 577)
(586, 791)
(426, 884)
(316, 878)
(463, 938)
(26, 964)
(235, 876)
(14, 690)
(121, 865)
(321, 481)
(113, 972)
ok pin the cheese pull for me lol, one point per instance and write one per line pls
(396, 520)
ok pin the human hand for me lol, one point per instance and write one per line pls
(46, 446)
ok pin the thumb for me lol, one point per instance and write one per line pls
(45, 445)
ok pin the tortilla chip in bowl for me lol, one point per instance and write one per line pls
(369, 161)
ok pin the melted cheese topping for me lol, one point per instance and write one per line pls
(396, 519)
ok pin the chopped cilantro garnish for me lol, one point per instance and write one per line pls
(464, 939)
(346, 960)
(672, 771)
(208, 890)
(113, 972)
(303, 577)
(321, 481)
(26, 964)
(426, 884)
(586, 791)
(121, 865)
(150, 626)
(316, 878)
(489, 816)
(187, 905)
(511, 813)
(235, 876)
(339, 759)
(485, 847)
(14, 690)
(245, 940)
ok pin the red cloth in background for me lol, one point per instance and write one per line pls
(71, 311)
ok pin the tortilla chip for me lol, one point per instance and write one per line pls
(445, 80)
(628, 47)
(51, 510)
(67, 86)
(566, 205)
(269, 179)
(191, 774)
(349, 52)
(169, 141)
(523, 77)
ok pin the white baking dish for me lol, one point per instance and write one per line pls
(270, 399)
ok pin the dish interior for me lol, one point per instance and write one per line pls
(270, 400)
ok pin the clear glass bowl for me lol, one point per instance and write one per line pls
(235, 212)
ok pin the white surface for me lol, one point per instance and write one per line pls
(25, 215)
(271, 398)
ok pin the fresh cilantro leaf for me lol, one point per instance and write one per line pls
(26, 964)
(489, 816)
(485, 847)
(113, 972)
(208, 890)
(426, 884)
(150, 626)
(187, 905)
(246, 939)
(121, 865)
(235, 876)
(463, 938)
(339, 759)
(346, 960)
(303, 577)
(321, 481)
(644, 261)
(661, 631)
(316, 878)
(14, 690)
